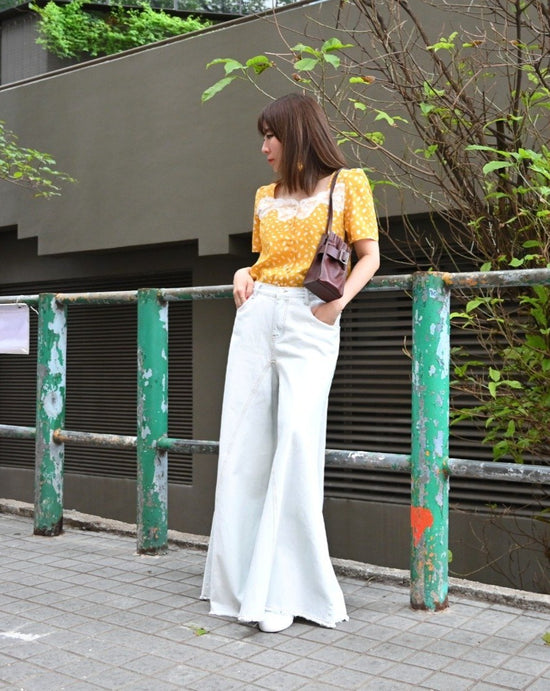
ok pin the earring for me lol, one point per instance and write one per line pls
(300, 166)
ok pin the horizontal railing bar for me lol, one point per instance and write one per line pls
(467, 280)
(497, 279)
(106, 297)
(25, 299)
(93, 439)
(394, 282)
(339, 458)
(196, 293)
(188, 445)
(458, 467)
(397, 282)
(17, 432)
(492, 470)
(335, 458)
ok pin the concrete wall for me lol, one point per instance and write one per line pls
(153, 164)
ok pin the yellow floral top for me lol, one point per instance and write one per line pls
(287, 231)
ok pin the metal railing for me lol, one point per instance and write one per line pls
(428, 462)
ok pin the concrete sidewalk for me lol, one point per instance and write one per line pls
(83, 611)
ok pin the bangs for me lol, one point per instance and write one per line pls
(272, 120)
(263, 126)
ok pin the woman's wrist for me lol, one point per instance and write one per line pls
(339, 304)
(244, 269)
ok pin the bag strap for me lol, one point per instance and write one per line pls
(329, 217)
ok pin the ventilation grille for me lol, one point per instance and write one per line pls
(101, 380)
(370, 410)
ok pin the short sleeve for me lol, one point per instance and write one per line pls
(360, 221)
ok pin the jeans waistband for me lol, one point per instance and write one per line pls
(284, 292)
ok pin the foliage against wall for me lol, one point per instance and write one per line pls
(71, 31)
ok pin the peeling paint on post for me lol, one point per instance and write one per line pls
(50, 415)
(430, 442)
(152, 423)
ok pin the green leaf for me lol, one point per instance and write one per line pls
(479, 147)
(515, 262)
(429, 151)
(232, 66)
(334, 44)
(209, 93)
(375, 137)
(259, 63)
(541, 171)
(513, 384)
(500, 449)
(301, 48)
(495, 165)
(306, 64)
(474, 304)
(546, 637)
(223, 61)
(382, 115)
(333, 60)
(494, 374)
(444, 43)
(430, 91)
(493, 388)
(426, 108)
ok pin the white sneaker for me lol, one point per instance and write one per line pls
(273, 623)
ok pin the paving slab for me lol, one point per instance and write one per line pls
(84, 611)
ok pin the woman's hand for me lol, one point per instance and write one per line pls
(368, 255)
(243, 285)
(328, 312)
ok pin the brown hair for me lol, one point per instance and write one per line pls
(309, 151)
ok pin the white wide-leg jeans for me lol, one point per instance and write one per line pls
(268, 548)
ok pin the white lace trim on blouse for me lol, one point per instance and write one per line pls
(287, 208)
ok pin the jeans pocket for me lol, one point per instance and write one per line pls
(322, 323)
(245, 304)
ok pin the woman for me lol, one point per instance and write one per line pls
(268, 559)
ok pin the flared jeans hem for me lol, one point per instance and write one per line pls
(225, 612)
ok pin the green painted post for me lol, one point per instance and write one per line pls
(430, 443)
(50, 415)
(152, 423)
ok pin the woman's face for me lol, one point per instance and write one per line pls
(273, 149)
